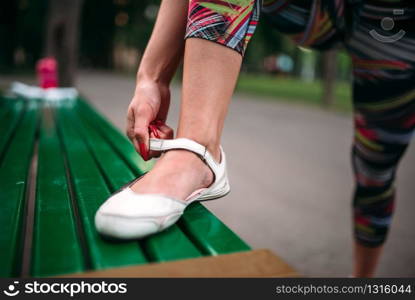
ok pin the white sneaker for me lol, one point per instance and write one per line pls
(129, 215)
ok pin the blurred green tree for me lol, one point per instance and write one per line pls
(97, 33)
(21, 33)
(8, 27)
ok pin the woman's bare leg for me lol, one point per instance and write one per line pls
(366, 260)
(210, 74)
(209, 78)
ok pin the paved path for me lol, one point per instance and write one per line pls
(291, 180)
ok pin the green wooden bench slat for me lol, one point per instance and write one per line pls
(169, 245)
(4, 108)
(11, 113)
(113, 167)
(120, 142)
(56, 248)
(13, 179)
(7, 101)
(91, 190)
(208, 232)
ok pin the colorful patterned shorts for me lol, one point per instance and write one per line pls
(379, 35)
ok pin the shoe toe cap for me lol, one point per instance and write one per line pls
(129, 204)
(125, 228)
(127, 215)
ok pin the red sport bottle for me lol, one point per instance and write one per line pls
(47, 72)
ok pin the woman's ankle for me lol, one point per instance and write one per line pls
(212, 145)
(194, 163)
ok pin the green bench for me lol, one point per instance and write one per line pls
(59, 160)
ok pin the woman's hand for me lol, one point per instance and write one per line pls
(150, 104)
(146, 116)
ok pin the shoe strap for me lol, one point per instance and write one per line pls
(185, 144)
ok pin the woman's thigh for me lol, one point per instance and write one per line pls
(384, 72)
(383, 69)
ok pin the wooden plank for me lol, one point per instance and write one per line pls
(56, 248)
(171, 244)
(13, 180)
(11, 115)
(255, 263)
(119, 142)
(207, 232)
(6, 101)
(91, 190)
(3, 107)
(114, 168)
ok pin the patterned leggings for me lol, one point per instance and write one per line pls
(383, 85)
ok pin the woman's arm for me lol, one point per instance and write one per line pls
(163, 53)
(165, 48)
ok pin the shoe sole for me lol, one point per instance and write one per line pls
(221, 193)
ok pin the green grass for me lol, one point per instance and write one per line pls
(293, 90)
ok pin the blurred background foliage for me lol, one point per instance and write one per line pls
(112, 35)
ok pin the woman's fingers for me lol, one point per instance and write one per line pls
(130, 123)
(130, 128)
(138, 130)
(165, 131)
(159, 130)
(142, 136)
(153, 131)
(141, 127)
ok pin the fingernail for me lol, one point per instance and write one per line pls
(143, 151)
(154, 130)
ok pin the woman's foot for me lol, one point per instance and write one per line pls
(177, 174)
(150, 205)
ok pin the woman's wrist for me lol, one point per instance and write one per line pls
(157, 68)
(151, 80)
(154, 93)
(152, 76)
